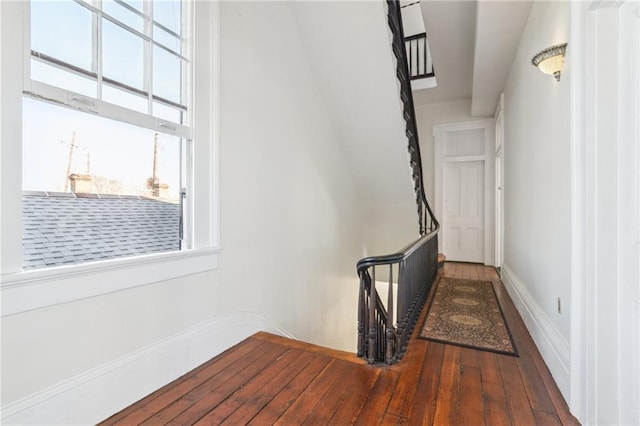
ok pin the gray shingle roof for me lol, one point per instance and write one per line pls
(65, 228)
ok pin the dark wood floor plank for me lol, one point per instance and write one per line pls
(449, 382)
(469, 357)
(456, 271)
(404, 392)
(352, 404)
(467, 272)
(338, 405)
(304, 405)
(393, 420)
(156, 401)
(538, 395)
(276, 375)
(470, 405)
(544, 418)
(378, 399)
(206, 397)
(424, 407)
(496, 412)
(518, 402)
(273, 410)
(253, 404)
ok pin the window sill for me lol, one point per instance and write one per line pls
(29, 290)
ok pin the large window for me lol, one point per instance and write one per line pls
(106, 130)
(108, 146)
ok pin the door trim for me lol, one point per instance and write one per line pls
(499, 184)
(439, 133)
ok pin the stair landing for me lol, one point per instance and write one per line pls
(268, 379)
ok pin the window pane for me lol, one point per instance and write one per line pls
(64, 79)
(166, 75)
(136, 171)
(62, 29)
(166, 39)
(135, 4)
(123, 15)
(125, 99)
(118, 152)
(123, 55)
(167, 113)
(167, 13)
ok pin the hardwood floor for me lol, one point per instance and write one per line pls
(268, 380)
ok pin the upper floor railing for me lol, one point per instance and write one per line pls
(385, 324)
(419, 56)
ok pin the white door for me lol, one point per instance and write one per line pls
(463, 211)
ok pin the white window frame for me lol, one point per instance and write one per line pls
(22, 291)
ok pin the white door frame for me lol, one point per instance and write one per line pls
(604, 112)
(499, 184)
(439, 134)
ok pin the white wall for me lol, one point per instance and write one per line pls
(537, 189)
(292, 231)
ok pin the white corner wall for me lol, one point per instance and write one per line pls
(291, 235)
(291, 219)
(537, 189)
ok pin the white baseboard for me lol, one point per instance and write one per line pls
(553, 347)
(104, 390)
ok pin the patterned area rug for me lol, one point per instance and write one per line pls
(467, 313)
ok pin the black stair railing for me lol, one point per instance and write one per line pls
(418, 56)
(384, 329)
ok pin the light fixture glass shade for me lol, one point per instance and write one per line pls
(551, 60)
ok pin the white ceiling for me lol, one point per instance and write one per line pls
(499, 27)
(473, 44)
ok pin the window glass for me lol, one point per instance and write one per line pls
(136, 4)
(166, 75)
(167, 13)
(119, 157)
(56, 25)
(124, 98)
(123, 55)
(167, 112)
(166, 39)
(124, 15)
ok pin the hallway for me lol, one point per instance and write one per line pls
(268, 379)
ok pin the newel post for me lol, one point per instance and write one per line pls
(373, 296)
(390, 334)
(361, 315)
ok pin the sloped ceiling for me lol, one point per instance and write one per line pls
(473, 44)
(450, 27)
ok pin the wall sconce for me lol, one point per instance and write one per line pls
(551, 60)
